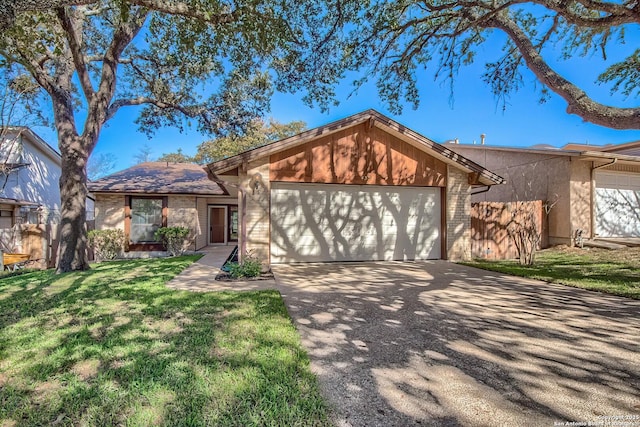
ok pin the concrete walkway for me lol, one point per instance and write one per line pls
(200, 276)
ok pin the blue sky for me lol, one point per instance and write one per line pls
(475, 110)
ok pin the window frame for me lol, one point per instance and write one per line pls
(151, 246)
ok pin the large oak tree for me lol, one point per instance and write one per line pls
(200, 62)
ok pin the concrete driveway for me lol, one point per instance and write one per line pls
(435, 343)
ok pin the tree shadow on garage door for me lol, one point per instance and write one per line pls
(436, 343)
(311, 223)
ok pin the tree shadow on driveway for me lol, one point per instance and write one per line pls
(436, 343)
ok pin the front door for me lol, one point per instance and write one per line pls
(217, 225)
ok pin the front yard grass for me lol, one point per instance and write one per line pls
(615, 272)
(114, 346)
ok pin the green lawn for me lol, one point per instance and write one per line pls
(113, 346)
(615, 272)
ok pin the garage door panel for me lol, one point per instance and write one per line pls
(358, 223)
(617, 205)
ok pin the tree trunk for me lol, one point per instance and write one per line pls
(72, 253)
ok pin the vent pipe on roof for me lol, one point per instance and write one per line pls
(482, 137)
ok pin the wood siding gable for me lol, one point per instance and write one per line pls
(360, 154)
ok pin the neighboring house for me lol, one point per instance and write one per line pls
(629, 149)
(361, 188)
(29, 179)
(594, 189)
(145, 197)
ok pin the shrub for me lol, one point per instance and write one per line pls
(106, 244)
(249, 267)
(175, 239)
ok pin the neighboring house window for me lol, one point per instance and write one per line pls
(145, 215)
(33, 216)
(6, 218)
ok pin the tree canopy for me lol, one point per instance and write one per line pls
(176, 157)
(394, 40)
(258, 133)
(203, 63)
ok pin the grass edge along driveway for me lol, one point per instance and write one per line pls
(615, 272)
(114, 346)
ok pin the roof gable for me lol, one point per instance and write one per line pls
(369, 118)
(18, 136)
(158, 178)
(358, 155)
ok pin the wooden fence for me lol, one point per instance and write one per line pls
(40, 241)
(491, 221)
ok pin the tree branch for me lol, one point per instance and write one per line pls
(579, 102)
(8, 11)
(10, 8)
(614, 14)
(142, 100)
(37, 72)
(70, 27)
(186, 10)
(99, 104)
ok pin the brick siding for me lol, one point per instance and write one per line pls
(458, 212)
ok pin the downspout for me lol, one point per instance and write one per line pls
(484, 190)
(243, 203)
(593, 194)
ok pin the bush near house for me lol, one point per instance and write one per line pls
(249, 267)
(175, 239)
(106, 244)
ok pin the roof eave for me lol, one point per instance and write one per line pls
(485, 176)
(158, 193)
(621, 158)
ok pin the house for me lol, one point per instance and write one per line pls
(30, 172)
(588, 188)
(147, 196)
(361, 188)
(29, 176)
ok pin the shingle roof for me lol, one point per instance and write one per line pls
(158, 178)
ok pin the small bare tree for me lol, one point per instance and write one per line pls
(525, 232)
(525, 228)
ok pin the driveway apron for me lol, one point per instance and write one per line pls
(439, 344)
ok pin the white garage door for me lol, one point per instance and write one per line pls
(323, 222)
(617, 204)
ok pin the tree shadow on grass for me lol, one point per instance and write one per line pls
(114, 346)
